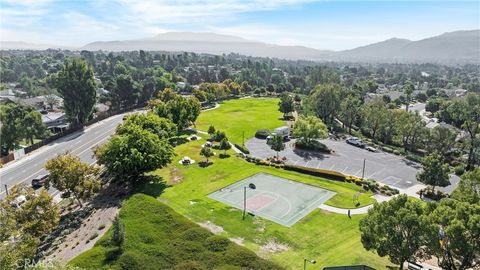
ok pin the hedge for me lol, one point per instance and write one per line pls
(242, 148)
(316, 172)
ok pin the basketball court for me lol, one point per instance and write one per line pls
(274, 198)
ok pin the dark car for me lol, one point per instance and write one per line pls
(39, 180)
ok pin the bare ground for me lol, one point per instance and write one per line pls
(81, 228)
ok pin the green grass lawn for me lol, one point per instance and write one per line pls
(242, 115)
(156, 237)
(331, 239)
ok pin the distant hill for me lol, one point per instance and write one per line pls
(20, 45)
(209, 43)
(449, 48)
(452, 47)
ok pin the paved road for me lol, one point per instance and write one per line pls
(383, 167)
(79, 143)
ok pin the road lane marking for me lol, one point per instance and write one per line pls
(26, 178)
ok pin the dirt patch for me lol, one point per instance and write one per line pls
(211, 227)
(260, 224)
(175, 176)
(85, 226)
(238, 240)
(273, 247)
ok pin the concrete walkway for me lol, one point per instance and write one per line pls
(354, 211)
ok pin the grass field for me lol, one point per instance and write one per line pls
(159, 238)
(242, 115)
(331, 239)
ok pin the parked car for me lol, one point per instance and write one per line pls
(356, 142)
(18, 201)
(371, 149)
(39, 180)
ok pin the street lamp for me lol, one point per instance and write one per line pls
(250, 186)
(305, 260)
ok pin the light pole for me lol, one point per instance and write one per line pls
(305, 260)
(363, 170)
(251, 186)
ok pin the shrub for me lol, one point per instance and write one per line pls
(240, 257)
(217, 243)
(195, 234)
(396, 152)
(413, 157)
(101, 226)
(130, 260)
(262, 134)
(190, 265)
(242, 148)
(313, 146)
(459, 170)
(94, 235)
(387, 149)
(316, 172)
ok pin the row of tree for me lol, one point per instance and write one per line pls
(19, 123)
(406, 229)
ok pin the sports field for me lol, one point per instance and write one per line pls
(242, 117)
(274, 198)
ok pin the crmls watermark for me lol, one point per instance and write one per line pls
(25, 263)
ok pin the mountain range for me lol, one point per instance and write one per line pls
(448, 48)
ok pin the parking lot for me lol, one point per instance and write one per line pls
(383, 167)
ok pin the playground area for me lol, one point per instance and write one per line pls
(274, 198)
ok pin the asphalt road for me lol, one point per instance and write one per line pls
(384, 167)
(79, 143)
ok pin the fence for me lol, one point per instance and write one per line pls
(70, 130)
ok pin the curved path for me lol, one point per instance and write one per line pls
(354, 211)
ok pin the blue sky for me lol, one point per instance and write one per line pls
(334, 25)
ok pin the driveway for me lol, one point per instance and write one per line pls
(384, 167)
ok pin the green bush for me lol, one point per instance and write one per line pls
(316, 172)
(396, 152)
(459, 170)
(196, 234)
(387, 149)
(242, 148)
(190, 265)
(217, 243)
(313, 146)
(130, 261)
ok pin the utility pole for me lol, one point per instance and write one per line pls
(6, 189)
(244, 201)
(363, 170)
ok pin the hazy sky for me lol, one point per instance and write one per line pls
(319, 24)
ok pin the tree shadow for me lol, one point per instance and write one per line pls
(309, 155)
(152, 185)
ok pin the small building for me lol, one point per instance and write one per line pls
(36, 102)
(55, 121)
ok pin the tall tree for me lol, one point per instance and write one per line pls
(206, 152)
(395, 229)
(310, 128)
(466, 112)
(125, 93)
(72, 177)
(468, 189)
(134, 153)
(408, 89)
(76, 85)
(277, 144)
(286, 104)
(33, 127)
(225, 145)
(350, 110)
(411, 128)
(441, 139)
(325, 101)
(374, 115)
(454, 234)
(435, 172)
(11, 130)
(162, 127)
